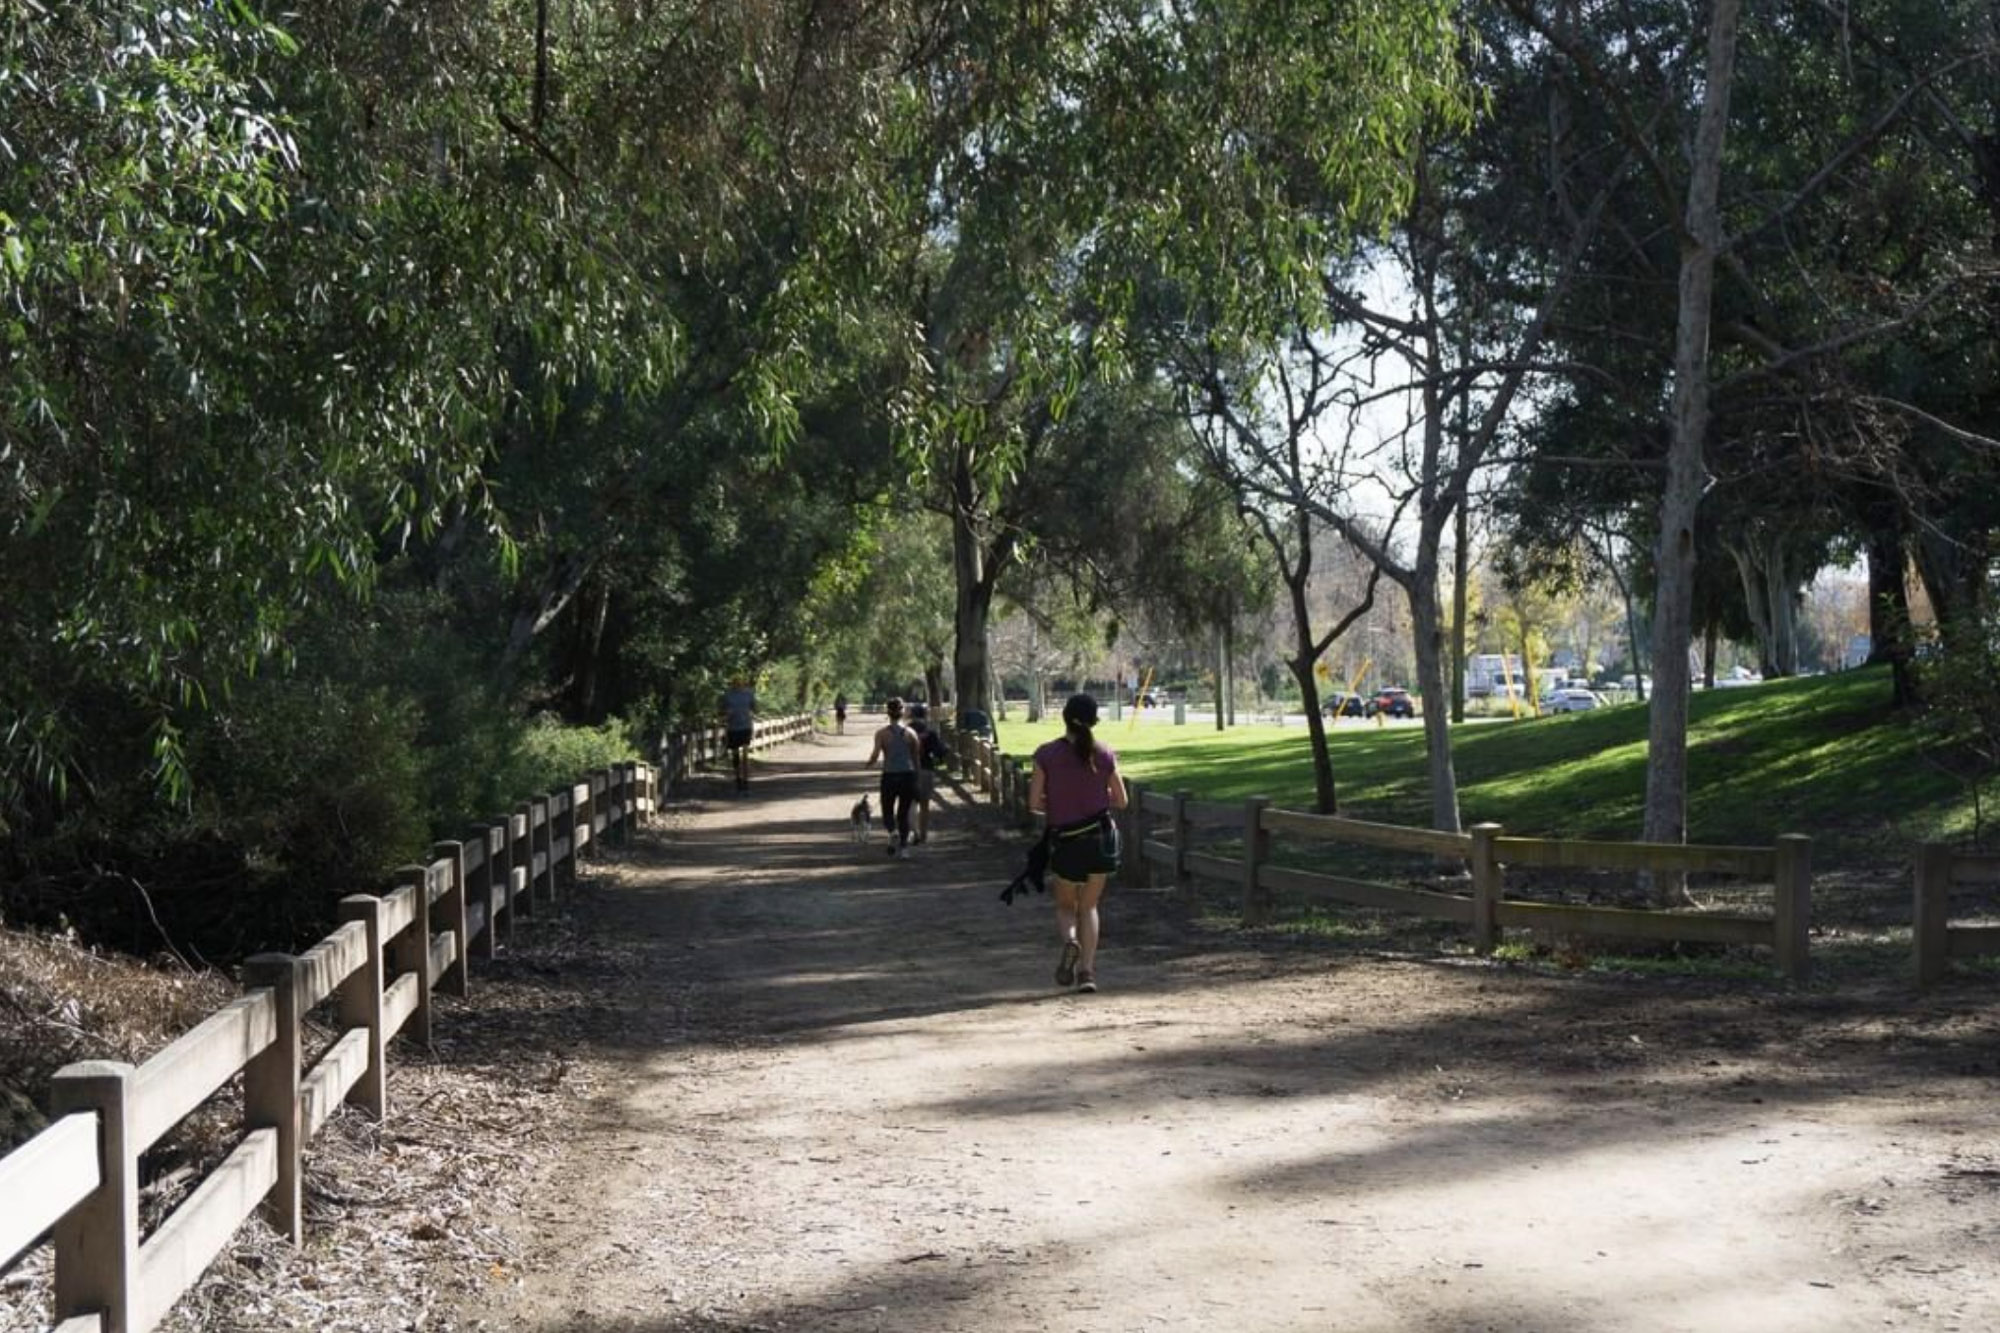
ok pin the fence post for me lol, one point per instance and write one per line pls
(1132, 838)
(521, 856)
(479, 889)
(450, 915)
(97, 1243)
(500, 880)
(271, 1089)
(562, 826)
(360, 1005)
(621, 801)
(1793, 914)
(411, 952)
(1181, 876)
(1931, 921)
(1256, 850)
(1488, 886)
(575, 816)
(542, 843)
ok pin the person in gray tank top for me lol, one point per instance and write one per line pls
(897, 747)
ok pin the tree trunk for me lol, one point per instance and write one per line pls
(1890, 638)
(1750, 572)
(1325, 797)
(1427, 627)
(1783, 608)
(1302, 662)
(1229, 671)
(1768, 593)
(1460, 566)
(1687, 473)
(1954, 577)
(1531, 694)
(1631, 631)
(1638, 661)
(593, 610)
(1221, 681)
(558, 587)
(972, 666)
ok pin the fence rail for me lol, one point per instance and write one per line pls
(77, 1181)
(1482, 851)
(1940, 869)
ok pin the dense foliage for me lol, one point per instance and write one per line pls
(375, 379)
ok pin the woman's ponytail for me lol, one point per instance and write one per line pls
(1084, 744)
(1079, 716)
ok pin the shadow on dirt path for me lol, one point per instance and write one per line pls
(839, 1091)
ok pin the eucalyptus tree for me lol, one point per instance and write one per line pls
(1783, 289)
(1266, 436)
(1419, 350)
(288, 298)
(1062, 149)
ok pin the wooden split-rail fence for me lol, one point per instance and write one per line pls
(1940, 870)
(77, 1182)
(1159, 832)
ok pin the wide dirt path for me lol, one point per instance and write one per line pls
(840, 1092)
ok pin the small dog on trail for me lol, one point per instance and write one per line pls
(861, 821)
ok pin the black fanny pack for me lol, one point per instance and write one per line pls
(1092, 824)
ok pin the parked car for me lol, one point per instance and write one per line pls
(1155, 698)
(1574, 701)
(1395, 701)
(1342, 704)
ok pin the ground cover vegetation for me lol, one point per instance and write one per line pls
(1819, 756)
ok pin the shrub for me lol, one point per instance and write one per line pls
(552, 752)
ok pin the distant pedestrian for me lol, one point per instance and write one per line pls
(1076, 786)
(739, 721)
(840, 714)
(931, 756)
(897, 747)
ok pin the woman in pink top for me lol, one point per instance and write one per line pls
(1075, 787)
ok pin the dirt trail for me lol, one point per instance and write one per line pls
(843, 1094)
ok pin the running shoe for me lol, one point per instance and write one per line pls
(1066, 966)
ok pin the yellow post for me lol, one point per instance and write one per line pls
(1354, 687)
(1144, 685)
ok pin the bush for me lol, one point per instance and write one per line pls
(321, 785)
(553, 752)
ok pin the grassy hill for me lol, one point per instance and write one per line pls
(1824, 756)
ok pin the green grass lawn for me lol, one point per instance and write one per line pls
(1823, 756)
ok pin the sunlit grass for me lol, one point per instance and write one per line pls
(1824, 756)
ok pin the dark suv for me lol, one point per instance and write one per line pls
(1345, 705)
